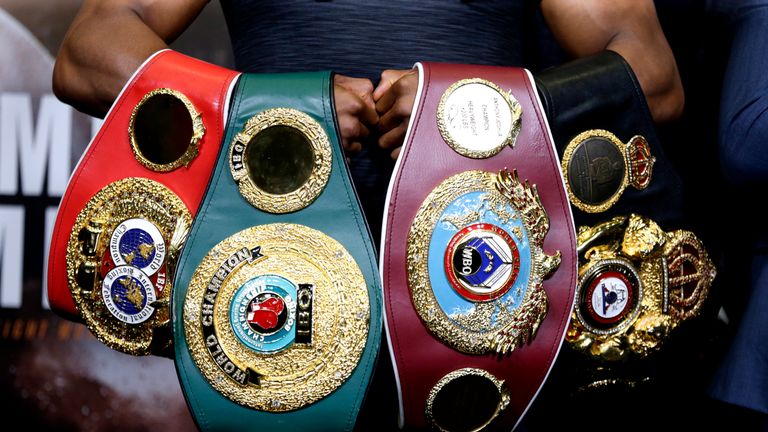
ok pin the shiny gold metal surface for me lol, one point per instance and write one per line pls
(647, 280)
(191, 146)
(494, 324)
(491, 395)
(94, 264)
(598, 167)
(297, 373)
(294, 191)
(477, 118)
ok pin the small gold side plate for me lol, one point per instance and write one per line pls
(477, 118)
(598, 167)
(272, 178)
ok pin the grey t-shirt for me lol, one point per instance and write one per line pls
(362, 38)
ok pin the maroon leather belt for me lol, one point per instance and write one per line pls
(479, 250)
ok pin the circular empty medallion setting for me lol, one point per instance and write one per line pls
(466, 400)
(609, 296)
(277, 316)
(477, 118)
(281, 160)
(165, 130)
(482, 262)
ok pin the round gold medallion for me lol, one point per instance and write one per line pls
(477, 118)
(120, 263)
(277, 316)
(281, 160)
(598, 167)
(476, 263)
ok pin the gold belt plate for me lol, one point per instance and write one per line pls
(258, 334)
(121, 259)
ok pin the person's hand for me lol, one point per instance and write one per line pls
(394, 98)
(355, 110)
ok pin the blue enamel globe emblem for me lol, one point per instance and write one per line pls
(128, 294)
(138, 243)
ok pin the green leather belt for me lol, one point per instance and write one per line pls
(277, 311)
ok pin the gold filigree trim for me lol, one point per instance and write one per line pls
(305, 194)
(89, 243)
(300, 374)
(476, 332)
(462, 148)
(198, 130)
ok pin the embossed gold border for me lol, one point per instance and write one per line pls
(318, 178)
(504, 395)
(514, 108)
(521, 325)
(116, 202)
(299, 375)
(198, 130)
(568, 155)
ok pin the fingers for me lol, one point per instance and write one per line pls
(361, 87)
(395, 105)
(388, 78)
(355, 99)
(393, 138)
(352, 133)
(359, 107)
(399, 112)
(395, 153)
(352, 129)
(354, 147)
(394, 98)
(355, 110)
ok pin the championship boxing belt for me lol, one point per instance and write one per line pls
(478, 261)
(130, 201)
(612, 160)
(278, 311)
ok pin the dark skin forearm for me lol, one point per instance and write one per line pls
(107, 42)
(583, 28)
(632, 29)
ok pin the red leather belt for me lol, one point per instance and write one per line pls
(473, 331)
(136, 187)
